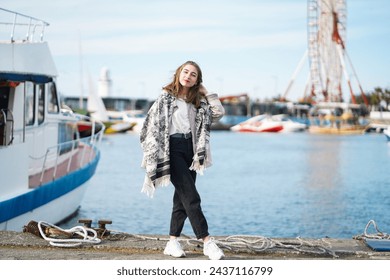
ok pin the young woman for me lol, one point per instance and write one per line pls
(175, 141)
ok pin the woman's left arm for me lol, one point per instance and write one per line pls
(217, 110)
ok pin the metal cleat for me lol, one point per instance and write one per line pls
(102, 227)
(87, 222)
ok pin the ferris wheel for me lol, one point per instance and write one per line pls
(326, 38)
(326, 52)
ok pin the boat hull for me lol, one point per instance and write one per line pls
(119, 127)
(386, 132)
(334, 130)
(262, 129)
(260, 123)
(51, 202)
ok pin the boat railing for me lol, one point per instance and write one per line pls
(22, 24)
(79, 152)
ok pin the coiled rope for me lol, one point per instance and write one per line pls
(83, 234)
(377, 235)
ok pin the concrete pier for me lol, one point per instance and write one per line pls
(124, 246)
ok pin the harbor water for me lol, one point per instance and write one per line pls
(266, 184)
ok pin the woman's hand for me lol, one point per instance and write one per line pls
(202, 90)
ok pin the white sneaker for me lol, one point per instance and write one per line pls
(174, 249)
(211, 250)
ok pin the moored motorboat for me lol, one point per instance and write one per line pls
(119, 127)
(289, 125)
(260, 123)
(44, 159)
(337, 118)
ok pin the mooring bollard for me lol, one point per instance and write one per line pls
(87, 222)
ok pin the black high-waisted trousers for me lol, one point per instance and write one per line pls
(186, 199)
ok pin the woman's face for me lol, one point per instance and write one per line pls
(188, 76)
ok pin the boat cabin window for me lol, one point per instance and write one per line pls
(53, 107)
(4, 96)
(40, 88)
(30, 104)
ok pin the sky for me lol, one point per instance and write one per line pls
(246, 46)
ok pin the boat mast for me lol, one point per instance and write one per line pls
(81, 103)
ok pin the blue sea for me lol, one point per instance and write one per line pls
(267, 184)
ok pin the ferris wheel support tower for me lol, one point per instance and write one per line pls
(326, 52)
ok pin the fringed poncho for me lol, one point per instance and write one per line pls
(154, 139)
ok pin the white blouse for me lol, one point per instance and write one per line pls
(180, 121)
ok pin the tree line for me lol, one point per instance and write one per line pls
(378, 99)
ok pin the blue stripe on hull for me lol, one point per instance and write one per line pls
(41, 195)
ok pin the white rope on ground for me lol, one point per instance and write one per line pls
(146, 237)
(252, 243)
(235, 243)
(377, 235)
(70, 242)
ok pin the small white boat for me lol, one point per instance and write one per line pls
(44, 159)
(137, 117)
(119, 127)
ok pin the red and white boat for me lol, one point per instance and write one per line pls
(289, 125)
(260, 123)
(269, 123)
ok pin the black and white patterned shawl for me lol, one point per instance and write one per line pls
(154, 139)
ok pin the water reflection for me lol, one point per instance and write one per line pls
(323, 163)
